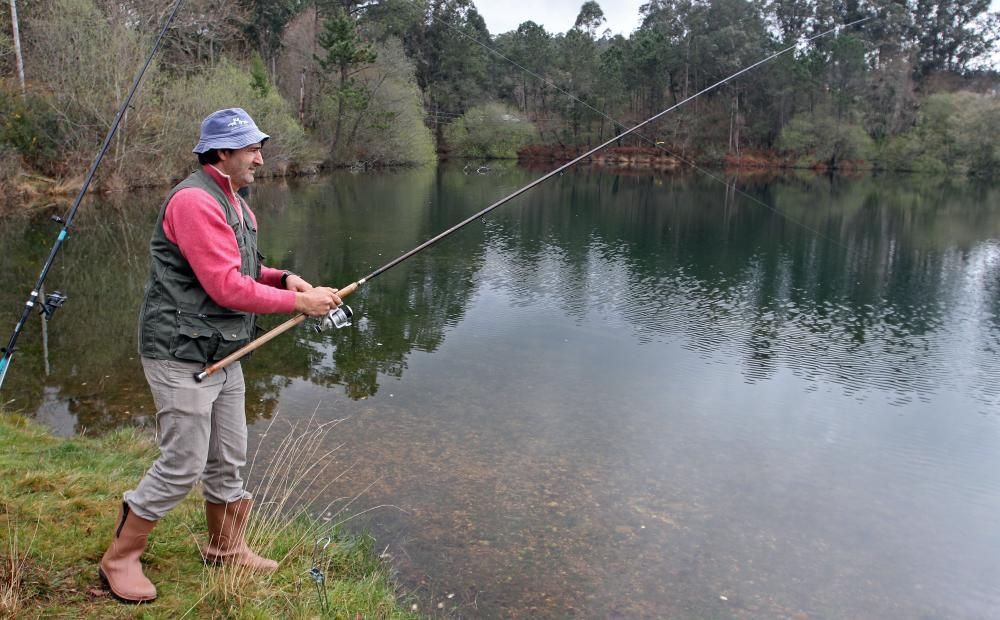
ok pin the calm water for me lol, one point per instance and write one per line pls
(618, 396)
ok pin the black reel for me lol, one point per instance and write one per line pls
(53, 301)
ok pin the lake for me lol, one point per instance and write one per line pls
(620, 395)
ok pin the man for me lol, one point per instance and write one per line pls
(206, 282)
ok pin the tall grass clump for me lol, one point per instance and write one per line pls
(14, 558)
(289, 525)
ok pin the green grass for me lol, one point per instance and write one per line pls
(58, 504)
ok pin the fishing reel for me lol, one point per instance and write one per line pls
(337, 318)
(53, 301)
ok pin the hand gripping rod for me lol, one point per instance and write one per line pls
(8, 351)
(353, 286)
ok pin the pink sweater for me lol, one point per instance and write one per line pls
(195, 223)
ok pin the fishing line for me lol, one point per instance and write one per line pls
(354, 286)
(655, 144)
(56, 299)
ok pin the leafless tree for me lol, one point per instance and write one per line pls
(16, 36)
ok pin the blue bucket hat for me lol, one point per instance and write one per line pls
(231, 128)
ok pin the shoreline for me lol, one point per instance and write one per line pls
(44, 193)
(661, 159)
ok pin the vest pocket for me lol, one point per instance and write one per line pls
(193, 340)
(235, 333)
(202, 338)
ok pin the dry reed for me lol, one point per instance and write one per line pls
(13, 569)
(286, 494)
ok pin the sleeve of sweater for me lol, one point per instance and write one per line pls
(195, 223)
(270, 276)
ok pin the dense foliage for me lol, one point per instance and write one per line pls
(489, 131)
(391, 81)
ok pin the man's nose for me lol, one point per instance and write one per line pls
(258, 158)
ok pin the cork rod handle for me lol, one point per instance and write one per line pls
(256, 343)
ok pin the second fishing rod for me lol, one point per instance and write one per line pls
(341, 316)
(55, 300)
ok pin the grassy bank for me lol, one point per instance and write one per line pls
(58, 503)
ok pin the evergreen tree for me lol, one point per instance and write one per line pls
(346, 54)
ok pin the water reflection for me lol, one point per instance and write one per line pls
(852, 271)
(841, 286)
(636, 396)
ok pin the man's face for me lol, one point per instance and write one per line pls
(241, 164)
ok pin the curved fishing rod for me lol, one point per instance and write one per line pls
(56, 299)
(354, 286)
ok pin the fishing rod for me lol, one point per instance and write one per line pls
(340, 317)
(55, 300)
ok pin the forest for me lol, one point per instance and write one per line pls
(913, 87)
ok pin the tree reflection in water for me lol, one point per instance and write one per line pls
(852, 269)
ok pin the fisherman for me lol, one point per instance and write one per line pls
(206, 282)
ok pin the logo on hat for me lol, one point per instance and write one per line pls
(231, 128)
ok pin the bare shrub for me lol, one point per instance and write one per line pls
(287, 492)
(84, 75)
(492, 130)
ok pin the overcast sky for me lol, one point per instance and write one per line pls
(559, 15)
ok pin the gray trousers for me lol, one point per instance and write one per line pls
(202, 435)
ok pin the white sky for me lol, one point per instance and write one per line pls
(558, 15)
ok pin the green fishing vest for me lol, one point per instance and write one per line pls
(178, 319)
